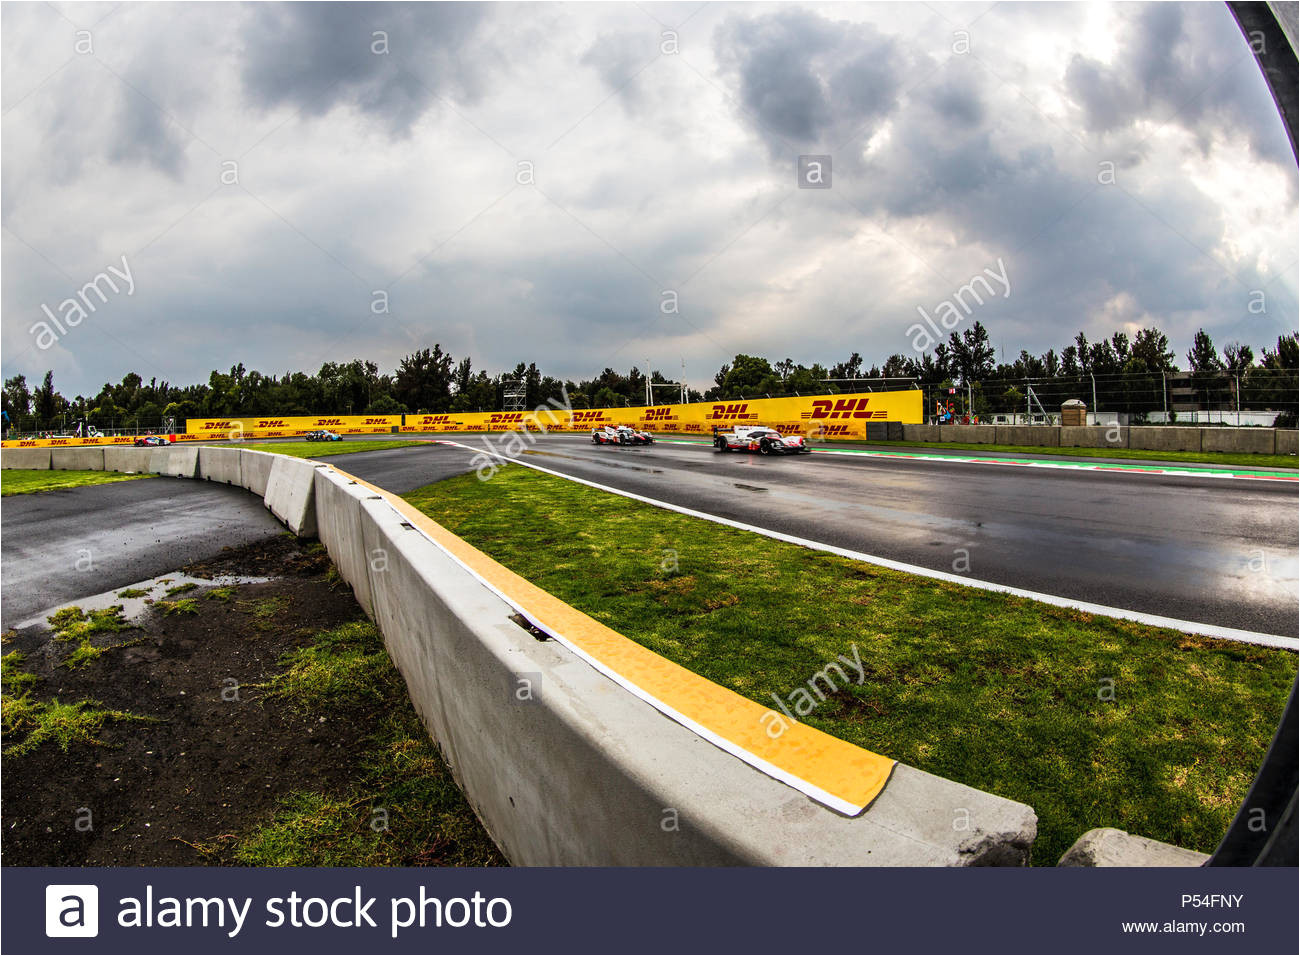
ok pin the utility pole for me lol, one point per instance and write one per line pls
(1164, 397)
(684, 395)
(1094, 397)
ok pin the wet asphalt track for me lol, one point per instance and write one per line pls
(1211, 550)
(63, 545)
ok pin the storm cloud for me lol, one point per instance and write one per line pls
(523, 183)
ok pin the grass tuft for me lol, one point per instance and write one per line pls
(344, 668)
(403, 807)
(72, 625)
(179, 607)
(64, 724)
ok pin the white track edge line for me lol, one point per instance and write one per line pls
(1139, 617)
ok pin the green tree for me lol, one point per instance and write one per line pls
(1203, 357)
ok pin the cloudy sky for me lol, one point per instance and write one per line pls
(526, 182)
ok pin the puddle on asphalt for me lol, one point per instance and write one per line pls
(134, 608)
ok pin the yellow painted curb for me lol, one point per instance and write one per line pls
(851, 775)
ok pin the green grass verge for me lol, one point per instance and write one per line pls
(1134, 454)
(1091, 721)
(321, 449)
(25, 481)
(403, 807)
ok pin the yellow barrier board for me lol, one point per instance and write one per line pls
(820, 417)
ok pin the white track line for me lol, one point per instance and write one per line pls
(1153, 620)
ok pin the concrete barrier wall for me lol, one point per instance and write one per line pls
(565, 767)
(920, 433)
(290, 493)
(178, 462)
(220, 464)
(131, 461)
(1027, 435)
(36, 459)
(338, 524)
(255, 470)
(77, 459)
(1260, 441)
(1094, 436)
(980, 434)
(1167, 438)
(1252, 441)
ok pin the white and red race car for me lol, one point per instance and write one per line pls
(760, 438)
(620, 435)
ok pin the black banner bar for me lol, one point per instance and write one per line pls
(649, 911)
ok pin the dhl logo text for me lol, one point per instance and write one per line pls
(728, 411)
(842, 408)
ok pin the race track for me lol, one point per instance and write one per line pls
(65, 545)
(1215, 551)
(1211, 550)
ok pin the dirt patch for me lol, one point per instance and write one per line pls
(221, 756)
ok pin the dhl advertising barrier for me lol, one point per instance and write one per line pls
(835, 416)
(819, 417)
(277, 427)
(67, 442)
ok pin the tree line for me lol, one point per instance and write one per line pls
(434, 381)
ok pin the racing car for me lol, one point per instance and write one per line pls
(151, 441)
(760, 438)
(620, 435)
(323, 434)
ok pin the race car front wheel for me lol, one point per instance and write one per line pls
(765, 447)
